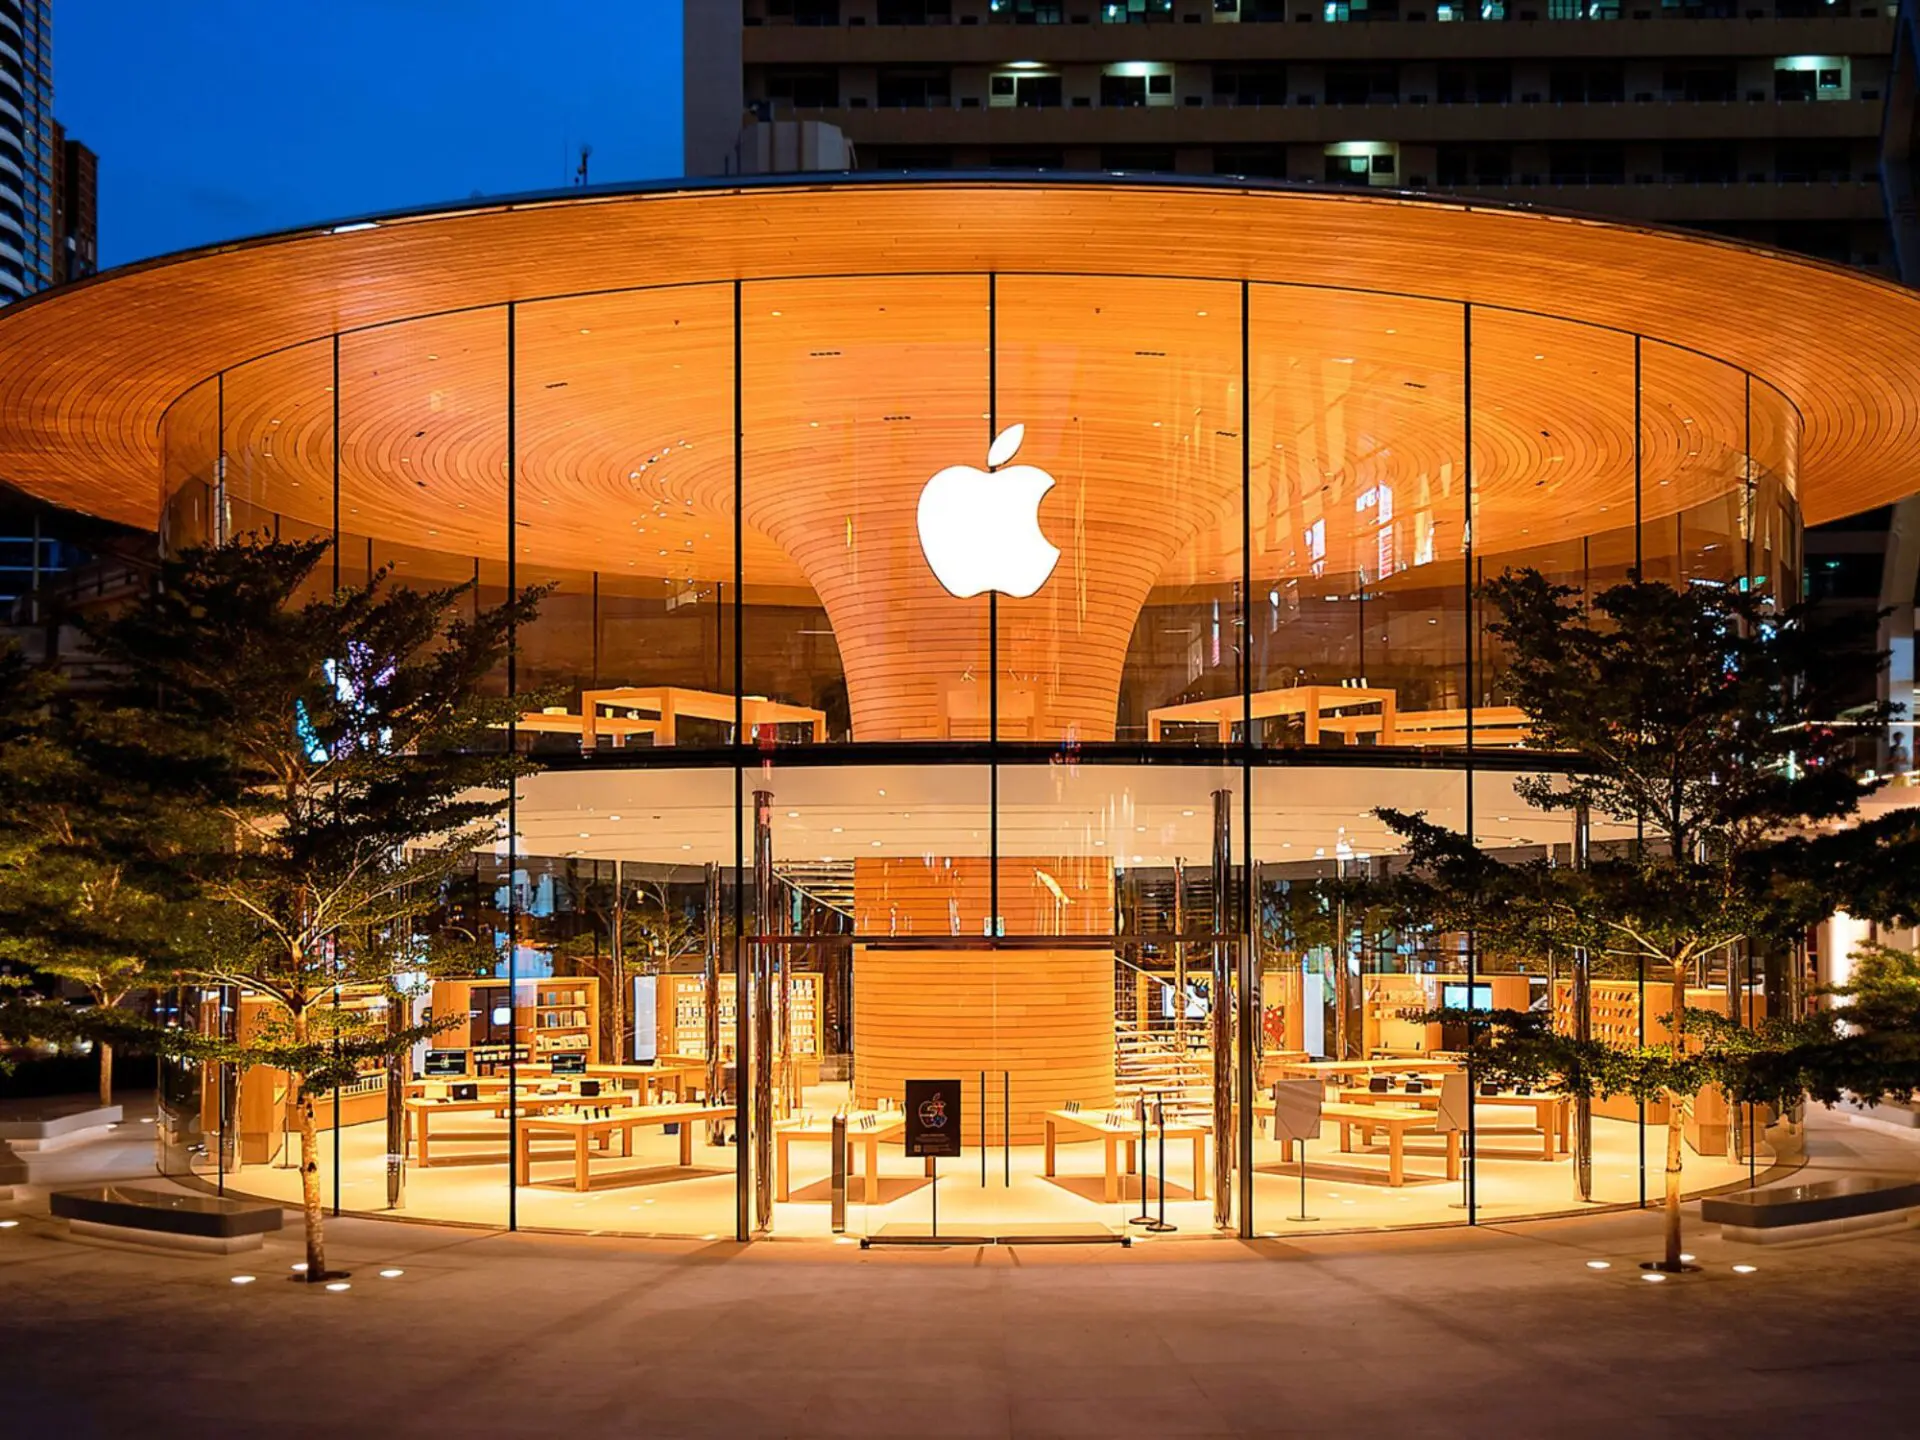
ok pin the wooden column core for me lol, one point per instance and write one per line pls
(1043, 1017)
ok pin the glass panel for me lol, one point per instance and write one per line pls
(1117, 861)
(1693, 421)
(609, 998)
(189, 467)
(1358, 517)
(625, 506)
(878, 908)
(1553, 473)
(1129, 395)
(857, 393)
(1336, 976)
(279, 449)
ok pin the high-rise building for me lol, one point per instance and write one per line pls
(76, 209)
(46, 180)
(1751, 118)
(26, 147)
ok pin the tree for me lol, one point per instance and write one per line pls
(347, 752)
(1698, 716)
(86, 892)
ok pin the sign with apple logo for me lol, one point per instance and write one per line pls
(980, 529)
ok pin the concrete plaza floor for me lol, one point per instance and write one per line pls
(1499, 1331)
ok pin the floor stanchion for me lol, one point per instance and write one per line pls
(1160, 1226)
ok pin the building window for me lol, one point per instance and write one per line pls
(804, 89)
(915, 12)
(1469, 84)
(1581, 163)
(1363, 162)
(1602, 81)
(1027, 157)
(1155, 158)
(914, 88)
(1705, 81)
(1367, 84)
(1700, 162)
(1469, 164)
(1026, 90)
(1812, 77)
(1256, 162)
(908, 157)
(1027, 12)
(1126, 86)
(1250, 85)
(1135, 12)
(1812, 160)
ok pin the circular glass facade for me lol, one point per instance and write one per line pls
(972, 667)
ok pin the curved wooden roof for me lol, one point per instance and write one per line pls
(870, 296)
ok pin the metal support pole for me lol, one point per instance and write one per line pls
(762, 1011)
(1582, 1007)
(398, 1019)
(1340, 1026)
(1221, 1009)
(838, 1196)
(710, 996)
(1180, 956)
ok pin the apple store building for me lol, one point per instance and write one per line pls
(983, 613)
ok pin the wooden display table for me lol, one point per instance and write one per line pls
(1319, 706)
(1065, 1127)
(670, 702)
(1398, 1122)
(654, 1080)
(1552, 1114)
(812, 1129)
(423, 1107)
(1334, 1071)
(587, 1131)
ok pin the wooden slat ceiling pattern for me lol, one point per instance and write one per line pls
(856, 389)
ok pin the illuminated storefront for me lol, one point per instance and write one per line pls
(976, 605)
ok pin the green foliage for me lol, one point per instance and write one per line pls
(344, 756)
(1699, 711)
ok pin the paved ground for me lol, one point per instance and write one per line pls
(1501, 1332)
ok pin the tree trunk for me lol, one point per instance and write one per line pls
(106, 1072)
(1676, 1116)
(1676, 1131)
(310, 1171)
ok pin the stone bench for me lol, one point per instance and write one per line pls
(1820, 1207)
(13, 1171)
(206, 1223)
(32, 1133)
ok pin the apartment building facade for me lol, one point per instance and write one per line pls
(1759, 119)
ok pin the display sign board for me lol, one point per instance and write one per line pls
(1456, 1106)
(933, 1118)
(1296, 1109)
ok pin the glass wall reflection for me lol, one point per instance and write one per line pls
(900, 637)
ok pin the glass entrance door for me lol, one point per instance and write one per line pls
(1021, 997)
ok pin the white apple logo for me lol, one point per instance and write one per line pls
(980, 529)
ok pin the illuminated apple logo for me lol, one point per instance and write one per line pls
(980, 529)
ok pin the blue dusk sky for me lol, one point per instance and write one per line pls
(215, 119)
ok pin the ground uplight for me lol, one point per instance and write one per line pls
(338, 1285)
(391, 1274)
(1745, 1269)
(1654, 1278)
(1598, 1265)
(243, 1279)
